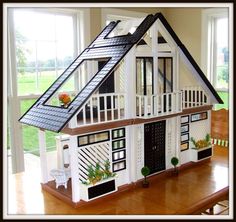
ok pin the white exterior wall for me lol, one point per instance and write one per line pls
(197, 130)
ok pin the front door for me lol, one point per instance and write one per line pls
(154, 146)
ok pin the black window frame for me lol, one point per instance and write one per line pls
(112, 133)
(88, 136)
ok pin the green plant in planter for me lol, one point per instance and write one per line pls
(174, 162)
(145, 172)
(96, 174)
(202, 143)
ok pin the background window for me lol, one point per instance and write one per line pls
(45, 43)
(216, 28)
(44, 48)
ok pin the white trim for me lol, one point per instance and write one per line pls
(119, 14)
(207, 39)
(16, 144)
(75, 188)
(43, 156)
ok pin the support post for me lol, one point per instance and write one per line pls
(75, 183)
(130, 83)
(43, 156)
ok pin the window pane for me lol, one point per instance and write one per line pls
(44, 48)
(222, 54)
(225, 97)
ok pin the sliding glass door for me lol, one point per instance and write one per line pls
(165, 74)
(144, 78)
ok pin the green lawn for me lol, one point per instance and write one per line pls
(225, 97)
(30, 133)
(27, 85)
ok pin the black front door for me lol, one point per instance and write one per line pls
(154, 146)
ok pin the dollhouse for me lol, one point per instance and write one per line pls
(136, 98)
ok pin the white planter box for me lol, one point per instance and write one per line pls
(201, 154)
(100, 189)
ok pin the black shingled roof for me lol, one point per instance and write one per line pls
(55, 118)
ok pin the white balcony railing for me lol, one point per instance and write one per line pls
(158, 105)
(194, 96)
(102, 108)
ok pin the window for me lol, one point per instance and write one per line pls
(93, 138)
(216, 44)
(42, 43)
(126, 16)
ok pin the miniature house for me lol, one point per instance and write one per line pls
(137, 97)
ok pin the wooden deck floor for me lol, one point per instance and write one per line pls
(165, 196)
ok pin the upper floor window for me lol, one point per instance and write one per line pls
(216, 44)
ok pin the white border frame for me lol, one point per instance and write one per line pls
(183, 5)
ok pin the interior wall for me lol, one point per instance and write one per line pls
(96, 22)
(186, 22)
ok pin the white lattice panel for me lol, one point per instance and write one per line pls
(120, 73)
(140, 150)
(90, 155)
(170, 141)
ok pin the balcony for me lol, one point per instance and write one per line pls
(158, 105)
(110, 107)
(102, 108)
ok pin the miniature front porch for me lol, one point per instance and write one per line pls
(175, 194)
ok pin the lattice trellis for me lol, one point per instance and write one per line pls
(90, 155)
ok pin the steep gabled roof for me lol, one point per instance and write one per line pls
(55, 118)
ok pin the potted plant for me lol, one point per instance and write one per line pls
(202, 148)
(174, 162)
(145, 172)
(64, 98)
(202, 143)
(98, 180)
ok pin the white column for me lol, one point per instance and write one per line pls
(75, 183)
(154, 32)
(43, 156)
(131, 153)
(130, 84)
(13, 108)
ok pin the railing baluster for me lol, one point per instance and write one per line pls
(105, 107)
(151, 107)
(145, 106)
(118, 105)
(140, 105)
(112, 107)
(158, 100)
(84, 114)
(98, 109)
(91, 109)
(167, 103)
(162, 103)
(173, 100)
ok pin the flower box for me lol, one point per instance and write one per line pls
(101, 188)
(201, 153)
